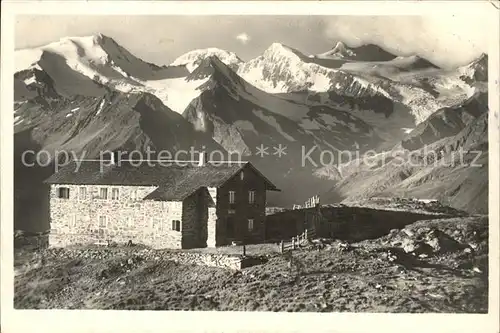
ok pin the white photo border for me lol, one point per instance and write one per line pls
(195, 321)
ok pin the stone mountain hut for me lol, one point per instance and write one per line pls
(199, 205)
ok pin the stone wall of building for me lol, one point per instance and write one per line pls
(203, 217)
(190, 217)
(194, 219)
(212, 219)
(76, 220)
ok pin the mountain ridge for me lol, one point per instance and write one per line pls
(365, 52)
(281, 97)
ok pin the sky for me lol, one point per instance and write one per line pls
(446, 41)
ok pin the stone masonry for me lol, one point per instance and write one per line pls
(212, 219)
(194, 219)
(204, 216)
(76, 220)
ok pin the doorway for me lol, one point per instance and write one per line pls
(230, 227)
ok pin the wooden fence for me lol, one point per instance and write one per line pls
(297, 241)
(311, 202)
(289, 244)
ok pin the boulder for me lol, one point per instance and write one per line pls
(441, 242)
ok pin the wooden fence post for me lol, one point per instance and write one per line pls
(305, 235)
(244, 250)
(282, 247)
(293, 243)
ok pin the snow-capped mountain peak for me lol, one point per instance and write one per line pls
(340, 51)
(194, 58)
(279, 51)
(70, 48)
(86, 54)
(366, 52)
(477, 70)
(482, 60)
(207, 67)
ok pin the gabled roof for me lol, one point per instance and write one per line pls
(174, 182)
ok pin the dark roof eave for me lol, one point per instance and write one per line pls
(96, 183)
(161, 199)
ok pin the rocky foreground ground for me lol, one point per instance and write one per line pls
(429, 266)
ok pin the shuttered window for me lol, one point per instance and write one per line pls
(176, 225)
(82, 193)
(63, 192)
(73, 221)
(250, 224)
(103, 193)
(251, 197)
(133, 194)
(103, 221)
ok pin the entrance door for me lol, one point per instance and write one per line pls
(202, 219)
(230, 227)
(102, 230)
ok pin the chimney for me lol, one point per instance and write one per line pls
(202, 159)
(115, 157)
(112, 159)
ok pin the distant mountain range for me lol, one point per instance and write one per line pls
(91, 94)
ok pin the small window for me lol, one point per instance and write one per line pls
(251, 197)
(250, 224)
(231, 211)
(133, 194)
(103, 193)
(82, 193)
(73, 221)
(242, 175)
(232, 195)
(63, 193)
(176, 225)
(115, 194)
(103, 221)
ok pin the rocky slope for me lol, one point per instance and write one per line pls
(453, 170)
(436, 266)
(446, 122)
(105, 120)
